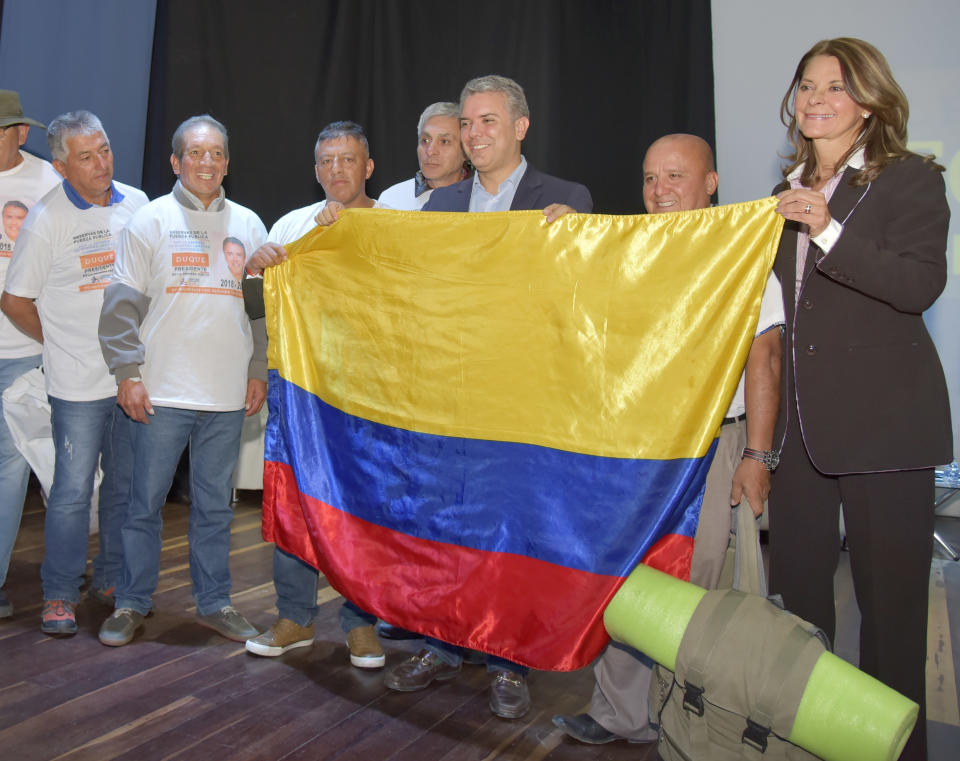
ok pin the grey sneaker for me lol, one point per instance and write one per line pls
(229, 623)
(282, 636)
(120, 627)
(6, 607)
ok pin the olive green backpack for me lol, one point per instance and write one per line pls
(741, 670)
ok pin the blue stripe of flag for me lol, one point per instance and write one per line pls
(596, 514)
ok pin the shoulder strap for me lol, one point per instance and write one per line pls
(779, 676)
(711, 632)
(715, 625)
(748, 575)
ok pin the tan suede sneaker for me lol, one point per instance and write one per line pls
(365, 649)
(282, 636)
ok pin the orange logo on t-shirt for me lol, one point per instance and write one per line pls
(87, 261)
(191, 259)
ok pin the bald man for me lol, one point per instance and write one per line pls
(679, 175)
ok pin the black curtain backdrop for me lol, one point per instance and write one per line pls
(604, 78)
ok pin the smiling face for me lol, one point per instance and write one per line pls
(14, 213)
(343, 168)
(439, 151)
(677, 175)
(491, 136)
(204, 163)
(88, 167)
(824, 109)
(236, 257)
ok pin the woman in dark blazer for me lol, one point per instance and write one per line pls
(864, 415)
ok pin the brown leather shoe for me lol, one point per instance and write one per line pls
(418, 671)
(509, 696)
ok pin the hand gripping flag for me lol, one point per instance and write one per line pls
(480, 423)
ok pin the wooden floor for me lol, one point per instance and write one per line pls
(179, 691)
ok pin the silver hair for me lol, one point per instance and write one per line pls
(69, 125)
(443, 108)
(179, 142)
(516, 99)
(341, 129)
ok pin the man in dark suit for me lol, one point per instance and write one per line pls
(494, 119)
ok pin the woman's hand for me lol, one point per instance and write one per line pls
(806, 206)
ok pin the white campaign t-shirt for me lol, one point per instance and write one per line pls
(196, 334)
(64, 259)
(401, 196)
(26, 183)
(295, 224)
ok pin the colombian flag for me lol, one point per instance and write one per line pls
(480, 423)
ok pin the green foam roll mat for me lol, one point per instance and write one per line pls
(848, 715)
(651, 612)
(844, 714)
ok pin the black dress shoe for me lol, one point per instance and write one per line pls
(474, 657)
(584, 728)
(418, 671)
(389, 631)
(509, 696)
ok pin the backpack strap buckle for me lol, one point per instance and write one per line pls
(755, 735)
(693, 698)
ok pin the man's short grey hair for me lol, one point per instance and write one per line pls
(336, 130)
(443, 108)
(179, 142)
(69, 125)
(516, 99)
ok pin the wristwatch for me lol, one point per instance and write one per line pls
(769, 458)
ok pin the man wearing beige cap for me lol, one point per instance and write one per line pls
(24, 179)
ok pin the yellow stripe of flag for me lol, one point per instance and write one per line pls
(620, 336)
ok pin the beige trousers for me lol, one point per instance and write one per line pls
(620, 700)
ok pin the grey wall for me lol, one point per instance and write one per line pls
(92, 54)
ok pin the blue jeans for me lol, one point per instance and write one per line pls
(296, 585)
(453, 655)
(351, 617)
(83, 435)
(14, 471)
(214, 441)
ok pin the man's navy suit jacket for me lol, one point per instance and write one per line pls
(535, 191)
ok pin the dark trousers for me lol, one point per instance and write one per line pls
(888, 519)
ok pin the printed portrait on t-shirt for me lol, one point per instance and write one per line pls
(14, 212)
(196, 269)
(235, 255)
